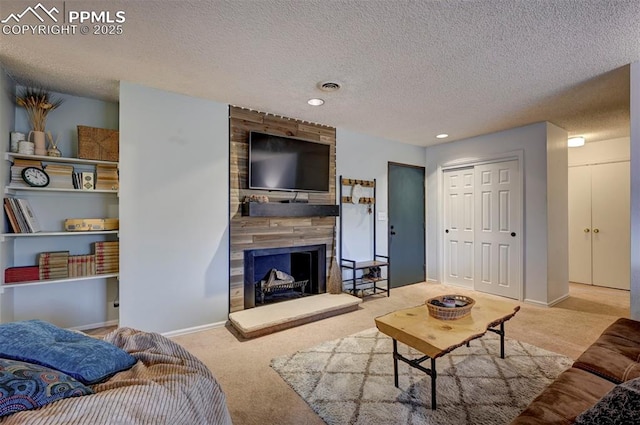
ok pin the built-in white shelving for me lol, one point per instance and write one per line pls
(10, 155)
(15, 189)
(54, 233)
(51, 281)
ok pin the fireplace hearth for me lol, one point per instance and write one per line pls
(303, 263)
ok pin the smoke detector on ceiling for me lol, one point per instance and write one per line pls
(329, 86)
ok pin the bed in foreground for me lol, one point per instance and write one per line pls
(166, 385)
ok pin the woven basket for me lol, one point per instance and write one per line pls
(450, 313)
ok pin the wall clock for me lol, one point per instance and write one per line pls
(35, 177)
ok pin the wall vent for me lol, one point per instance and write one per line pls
(329, 86)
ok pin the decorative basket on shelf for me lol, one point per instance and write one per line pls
(450, 307)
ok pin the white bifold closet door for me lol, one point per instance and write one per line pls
(497, 239)
(481, 225)
(459, 228)
(599, 224)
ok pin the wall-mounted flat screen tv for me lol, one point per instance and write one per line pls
(287, 163)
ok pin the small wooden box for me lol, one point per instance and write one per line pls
(98, 143)
(88, 224)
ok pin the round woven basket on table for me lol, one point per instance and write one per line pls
(450, 313)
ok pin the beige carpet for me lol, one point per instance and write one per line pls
(256, 394)
(350, 381)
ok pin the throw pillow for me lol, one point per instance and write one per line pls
(87, 359)
(620, 406)
(25, 386)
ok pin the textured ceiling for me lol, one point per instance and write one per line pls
(409, 69)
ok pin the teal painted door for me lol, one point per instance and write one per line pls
(406, 224)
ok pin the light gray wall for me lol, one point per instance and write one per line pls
(7, 118)
(532, 141)
(360, 156)
(557, 214)
(635, 190)
(174, 210)
(62, 122)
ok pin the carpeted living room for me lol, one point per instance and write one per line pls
(263, 384)
(361, 212)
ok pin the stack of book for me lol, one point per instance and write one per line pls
(16, 171)
(54, 265)
(60, 176)
(82, 265)
(83, 180)
(21, 274)
(106, 177)
(107, 254)
(21, 216)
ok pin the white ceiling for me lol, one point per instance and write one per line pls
(409, 69)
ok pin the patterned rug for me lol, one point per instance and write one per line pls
(350, 381)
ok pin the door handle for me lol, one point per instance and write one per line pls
(446, 231)
(393, 233)
(596, 230)
(587, 230)
(513, 234)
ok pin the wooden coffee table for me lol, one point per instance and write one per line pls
(435, 338)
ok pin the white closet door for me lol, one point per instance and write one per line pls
(611, 245)
(580, 224)
(458, 224)
(497, 212)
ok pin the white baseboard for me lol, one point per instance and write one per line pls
(95, 325)
(433, 281)
(194, 329)
(558, 300)
(549, 304)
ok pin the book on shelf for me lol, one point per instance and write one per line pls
(106, 247)
(106, 244)
(107, 177)
(20, 164)
(109, 271)
(21, 214)
(30, 217)
(22, 222)
(13, 221)
(81, 265)
(21, 274)
(107, 252)
(87, 179)
(60, 176)
(53, 264)
(53, 275)
(54, 254)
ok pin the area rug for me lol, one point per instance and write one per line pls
(350, 381)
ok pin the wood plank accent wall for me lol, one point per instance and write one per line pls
(272, 232)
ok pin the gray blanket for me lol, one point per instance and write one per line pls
(167, 385)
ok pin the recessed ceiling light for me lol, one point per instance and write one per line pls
(575, 142)
(315, 102)
(442, 136)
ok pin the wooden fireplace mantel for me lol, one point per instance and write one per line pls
(276, 209)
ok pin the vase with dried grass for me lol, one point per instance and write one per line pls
(38, 103)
